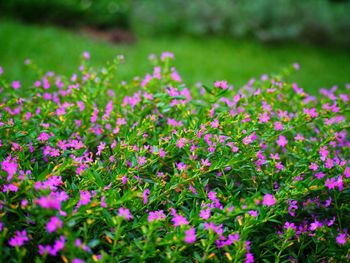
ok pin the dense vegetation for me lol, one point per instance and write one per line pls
(171, 172)
(320, 21)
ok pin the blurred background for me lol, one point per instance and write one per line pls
(212, 40)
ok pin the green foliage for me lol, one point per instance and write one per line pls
(101, 13)
(259, 171)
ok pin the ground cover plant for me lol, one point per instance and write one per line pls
(171, 172)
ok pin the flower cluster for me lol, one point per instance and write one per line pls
(93, 172)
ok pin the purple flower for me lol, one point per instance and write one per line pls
(181, 143)
(145, 194)
(166, 55)
(269, 200)
(85, 198)
(253, 213)
(49, 202)
(52, 250)
(10, 166)
(221, 84)
(54, 224)
(77, 260)
(282, 141)
(249, 258)
(43, 137)
(181, 166)
(16, 84)
(190, 235)
(205, 162)
(19, 239)
(125, 213)
(205, 214)
(141, 160)
(341, 239)
(156, 215)
(179, 220)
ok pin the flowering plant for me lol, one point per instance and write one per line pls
(169, 173)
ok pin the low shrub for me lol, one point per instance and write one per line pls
(172, 173)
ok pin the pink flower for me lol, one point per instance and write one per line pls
(16, 84)
(19, 239)
(43, 137)
(205, 214)
(141, 160)
(264, 117)
(85, 198)
(269, 200)
(156, 215)
(162, 153)
(86, 55)
(49, 202)
(52, 250)
(145, 196)
(181, 166)
(205, 162)
(54, 224)
(221, 84)
(125, 213)
(341, 239)
(181, 143)
(313, 166)
(179, 220)
(278, 126)
(10, 166)
(190, 235)
(166, 55)
(282, 141)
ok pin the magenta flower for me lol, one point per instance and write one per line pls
(54, 224)
(19, 239)
(211, 226)
(181, 166)
(156, 215)
(179, 220)
(145, 194)
(166, 55)
(85, 198)
(341, 239)
(249, 258)
(205, 214)
(282, 141)
(205, 162)
(43, 137)
(100, 148)
(181, 143)
(253, 213)
(162, 153)
(49, 202)
(52, 250)
(125, 213)
(269, 200)
(10, 166)
(190, 235)
(16, 84)
(221, 84)
(86, 55)
(141, 160)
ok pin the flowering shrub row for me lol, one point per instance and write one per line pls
(170, 173)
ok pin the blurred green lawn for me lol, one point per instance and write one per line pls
(197, 59)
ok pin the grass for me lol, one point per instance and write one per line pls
(205, 59)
